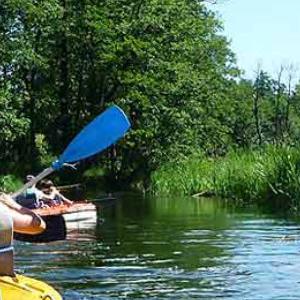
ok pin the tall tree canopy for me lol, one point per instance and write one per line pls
(166, 63)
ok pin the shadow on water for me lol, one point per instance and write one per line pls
(172, 248)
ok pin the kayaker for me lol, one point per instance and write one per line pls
(33, 197)
(13, 217)
(49, 189)
(6, 249)
(17, 218)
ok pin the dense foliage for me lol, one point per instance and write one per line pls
(270, 173)
(166, 63)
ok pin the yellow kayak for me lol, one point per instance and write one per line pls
(24, 288)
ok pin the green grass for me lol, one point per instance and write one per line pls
(271, 173)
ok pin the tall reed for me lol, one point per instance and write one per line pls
(272, 172)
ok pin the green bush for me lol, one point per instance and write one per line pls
(269, 173)
(9, 183)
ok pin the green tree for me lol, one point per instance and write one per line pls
(164, 62)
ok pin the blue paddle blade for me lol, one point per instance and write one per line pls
(101, 133)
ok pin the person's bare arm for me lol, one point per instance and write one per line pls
(24, 220)
(64, 199)
(61, 196)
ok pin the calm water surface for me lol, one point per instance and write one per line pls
(172, 249)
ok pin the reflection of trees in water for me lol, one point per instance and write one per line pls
(166, 232)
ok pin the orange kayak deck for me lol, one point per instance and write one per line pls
(65, 209)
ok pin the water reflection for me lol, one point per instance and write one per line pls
(172, 248)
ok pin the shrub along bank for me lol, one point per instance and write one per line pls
(249, 176)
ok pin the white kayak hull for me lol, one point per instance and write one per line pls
(81, 219)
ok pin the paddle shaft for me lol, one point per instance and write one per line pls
(34, 181)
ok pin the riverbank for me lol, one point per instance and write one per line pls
(272, 173)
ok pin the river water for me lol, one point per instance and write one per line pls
(172, 248)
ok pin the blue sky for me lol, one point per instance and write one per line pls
(265, 32)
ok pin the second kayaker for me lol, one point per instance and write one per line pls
(14, 217)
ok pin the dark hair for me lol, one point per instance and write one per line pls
(46, 184)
